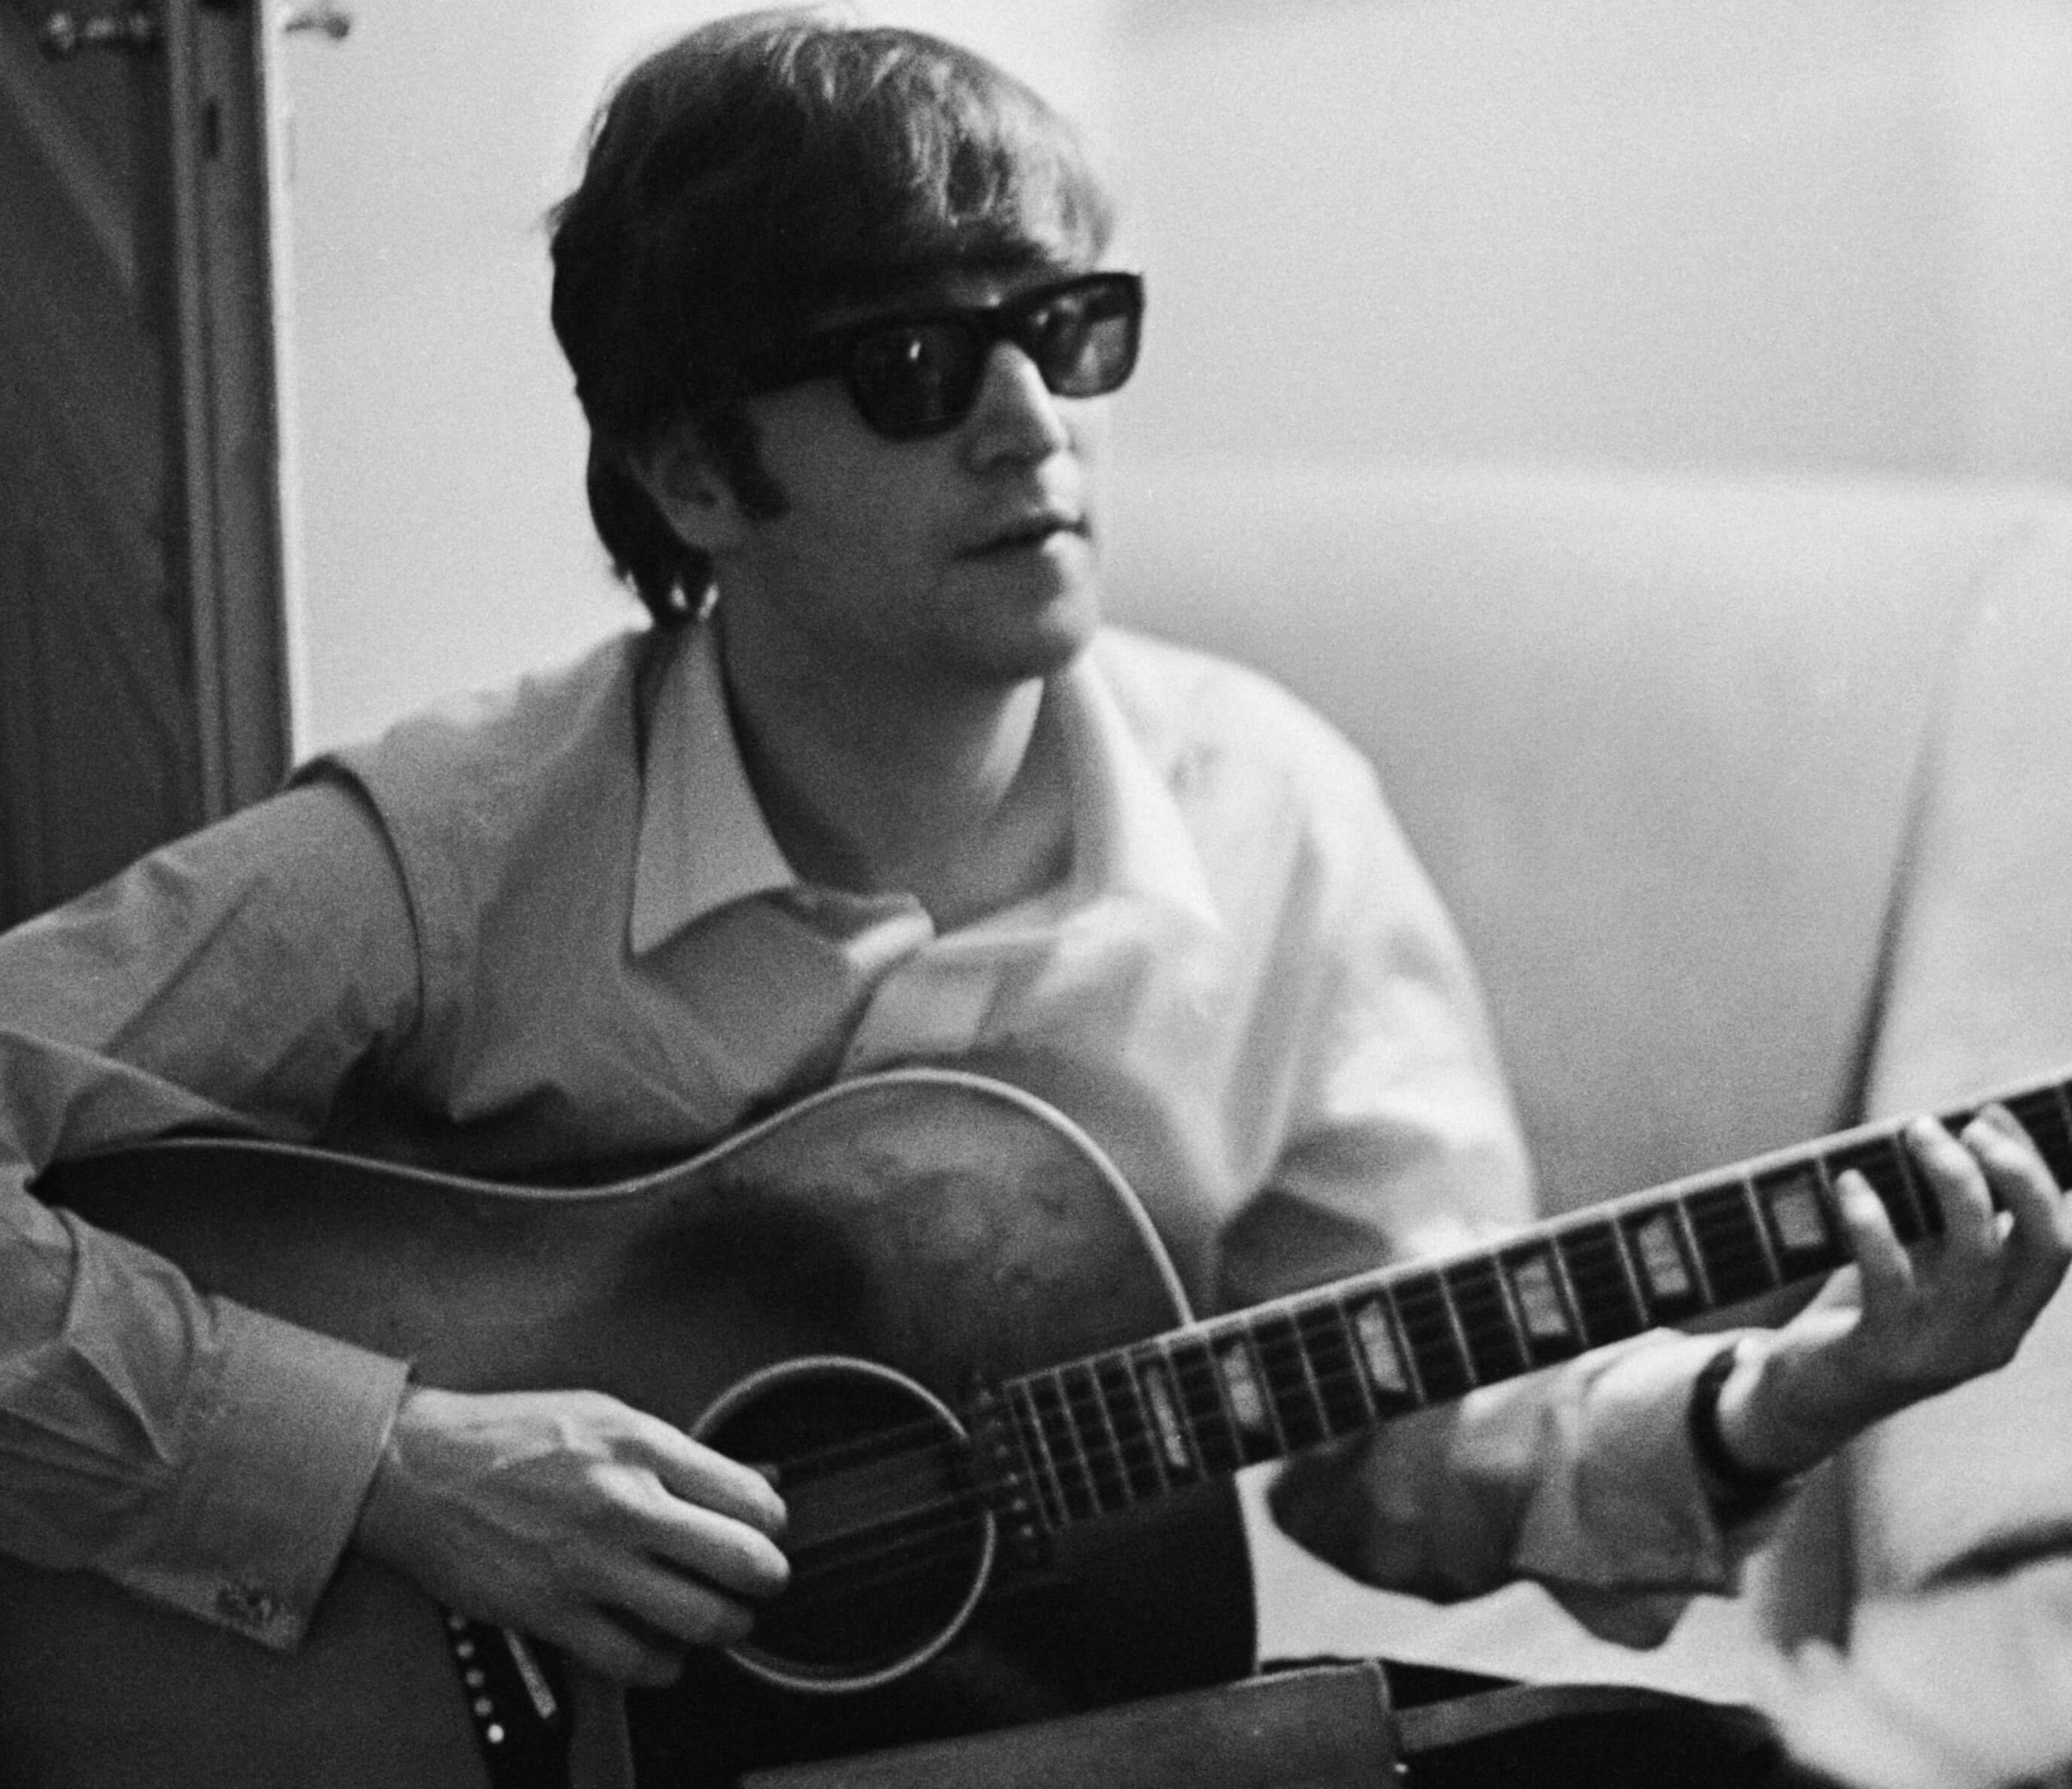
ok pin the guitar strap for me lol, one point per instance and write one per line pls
(517, 1699)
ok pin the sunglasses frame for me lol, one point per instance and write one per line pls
(833, 353)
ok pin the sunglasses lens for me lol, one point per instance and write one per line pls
(918, 375)
(909, 379)
(1083, 340)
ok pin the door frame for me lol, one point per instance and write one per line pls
(229, 469)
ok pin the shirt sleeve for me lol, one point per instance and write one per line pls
(198, 1453)
(1401, 1140)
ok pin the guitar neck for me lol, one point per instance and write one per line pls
(1115, 1429)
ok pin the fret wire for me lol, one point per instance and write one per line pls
(1263, 1382)
(1454, 1375)
(1487, 1358)
(1398, 1339)
(1253, 1443)
(1797, 1180)
(1508, 1293)
(1310, 1374)
(1154, 1431)
(1357, 1358)
(1130, 1447)
(1569, 1296)
(1460, 1332)
(1231, 1453)
(1196, 1460)
(1036, 1446)
(1108, 1456)
(1575, 1292)
(1191, 1424)
(1291, 1392)
(1623, 1249)
(1058, 1424)
(1307, 1375)
(1548, 1257)
(1586, 1245)
(1736, 1262)
(1413, 1368)
(1760, 1217)
(1105, 1461)
(1320, 1328)
(1694, 1252)
(1061, 1465)
(1356, 1355)
(1565, 1292)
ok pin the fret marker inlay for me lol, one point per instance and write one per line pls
(1661, 1260)
(1538, 1298)
(1795, 1209)
(1165, 1416)
(1377, 1342)
(1247, 1400)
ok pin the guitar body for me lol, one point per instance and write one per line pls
(942, 1226)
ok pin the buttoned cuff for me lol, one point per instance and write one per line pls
(1632, 1513)
(282, 1451)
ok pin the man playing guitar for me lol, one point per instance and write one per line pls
(876, 787)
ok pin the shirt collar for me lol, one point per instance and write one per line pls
(1129, 836)
(705, 844)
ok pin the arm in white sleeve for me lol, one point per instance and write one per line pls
(1400, 1141)
(197, 1453)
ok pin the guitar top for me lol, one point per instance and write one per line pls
(927, 1302)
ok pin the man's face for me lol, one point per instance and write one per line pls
(962, 558)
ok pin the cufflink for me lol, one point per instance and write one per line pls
(247, 1605)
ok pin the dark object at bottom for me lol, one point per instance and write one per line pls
(1348, 1725)
(1457, 1730)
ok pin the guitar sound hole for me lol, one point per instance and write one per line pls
(888, 1545)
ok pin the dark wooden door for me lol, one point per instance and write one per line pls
(140, 681)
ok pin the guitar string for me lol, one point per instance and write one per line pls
(1270, 1360)
(899, 1548)
(1287, 1387)
(885, 1442)
(906, 1540)
(1106, 1473)
(917, 1439)
(1129, 1363)
(1127, 1462)
(854, 1570)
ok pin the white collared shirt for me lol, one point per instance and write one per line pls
(545, 928)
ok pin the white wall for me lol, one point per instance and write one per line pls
(1819, 234)
(1744, 234)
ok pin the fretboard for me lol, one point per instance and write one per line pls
(1101, 1434)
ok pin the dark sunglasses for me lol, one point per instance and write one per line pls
(918, 372)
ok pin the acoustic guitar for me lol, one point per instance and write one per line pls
(928, 1305)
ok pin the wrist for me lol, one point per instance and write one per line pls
(1740, 1480)
(385, 1515)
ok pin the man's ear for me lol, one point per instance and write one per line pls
(676, 471)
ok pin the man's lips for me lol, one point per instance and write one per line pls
(1025, 531)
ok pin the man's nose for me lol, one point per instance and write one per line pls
(1016, 416)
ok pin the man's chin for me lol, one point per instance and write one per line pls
(1052, 638)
